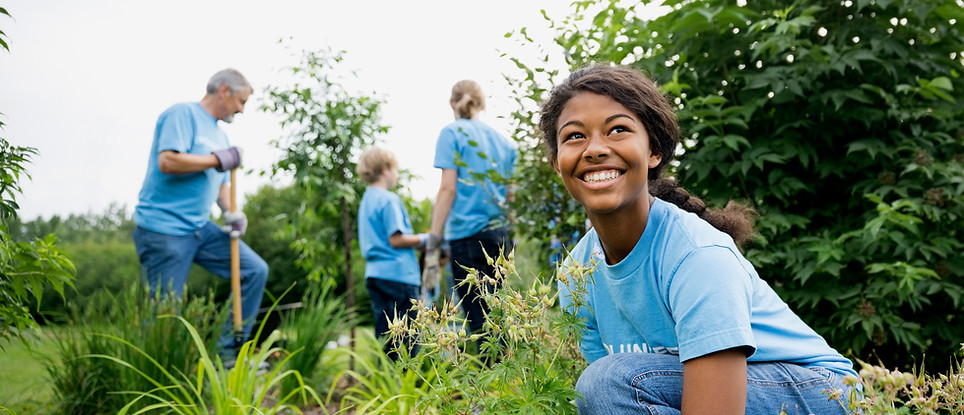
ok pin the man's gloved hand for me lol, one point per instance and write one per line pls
(235, 223)
(228, 158)
(432, 271)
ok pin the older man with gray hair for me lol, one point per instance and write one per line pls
(186, 175)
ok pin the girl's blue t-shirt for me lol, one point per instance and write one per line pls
(381, 214)
(178, 204)
(474, 149)
(686, 290)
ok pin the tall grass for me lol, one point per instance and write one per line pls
(212, 390)
(378, 386)
(309, 329)
(83, 385)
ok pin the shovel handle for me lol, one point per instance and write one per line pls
(235, 259)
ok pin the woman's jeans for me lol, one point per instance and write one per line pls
(468, 252)
(166, 260)
(647, 383)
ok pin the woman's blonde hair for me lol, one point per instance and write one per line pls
(373, 162)
(467, 99)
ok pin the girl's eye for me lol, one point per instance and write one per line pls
(571, 136)
(618, 129)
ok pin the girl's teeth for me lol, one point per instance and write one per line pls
(601, 176)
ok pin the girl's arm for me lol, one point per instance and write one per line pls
(715, 383)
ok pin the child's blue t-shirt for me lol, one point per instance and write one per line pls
(686, 290)
(381, 214)
(470, 146)
(178, 204)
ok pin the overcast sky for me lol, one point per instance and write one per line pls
(84, 81)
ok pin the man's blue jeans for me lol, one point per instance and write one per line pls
(647, 383)
(166, 260)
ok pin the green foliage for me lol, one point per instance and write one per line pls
(104, 257)
(322, 317)
(841, 122)
(3, 43)
(26, 268)
(85, 385)
(325, 126)
(269, 212)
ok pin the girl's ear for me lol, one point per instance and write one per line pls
(555, 166)
(654, 159)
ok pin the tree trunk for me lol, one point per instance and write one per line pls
(349, 277)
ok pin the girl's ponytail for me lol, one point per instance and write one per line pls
(736, 219)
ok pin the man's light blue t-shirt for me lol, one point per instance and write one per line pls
(178, 204)
(686, 290)
(470, 146)
(381, 214)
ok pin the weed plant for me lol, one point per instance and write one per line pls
(894, 392)
(310, 328)
(529, 359)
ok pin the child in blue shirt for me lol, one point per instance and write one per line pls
(392, 274)
(677, 320)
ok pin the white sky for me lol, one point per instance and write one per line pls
(84, 81)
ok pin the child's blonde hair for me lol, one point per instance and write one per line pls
(373, 162)
(467, 99)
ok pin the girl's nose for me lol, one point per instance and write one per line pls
(596, 147)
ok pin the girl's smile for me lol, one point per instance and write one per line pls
(604, 154)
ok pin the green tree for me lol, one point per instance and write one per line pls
(326, 126)
(841, 122)
(25, 267)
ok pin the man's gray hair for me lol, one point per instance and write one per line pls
(230, 77)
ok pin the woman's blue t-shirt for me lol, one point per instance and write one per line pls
(474, 149)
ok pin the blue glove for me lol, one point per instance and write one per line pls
(235, 223)
(228, 158)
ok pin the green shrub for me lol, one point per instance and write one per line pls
(842, 123)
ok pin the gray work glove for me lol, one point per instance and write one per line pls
(228, 158)
(432, 272)
(235, 223)
(433, 242)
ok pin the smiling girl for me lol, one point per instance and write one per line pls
(677, 320)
